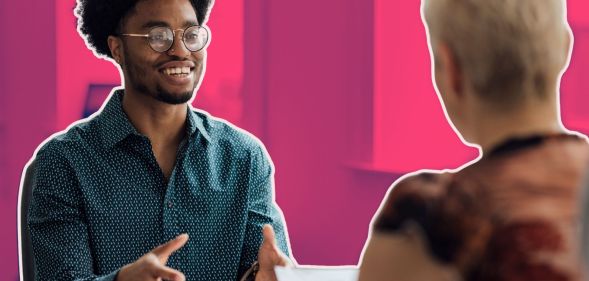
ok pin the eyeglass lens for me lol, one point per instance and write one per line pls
(162, 38)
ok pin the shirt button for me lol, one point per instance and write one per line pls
(170, 205)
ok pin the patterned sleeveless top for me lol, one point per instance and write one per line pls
(510, 216)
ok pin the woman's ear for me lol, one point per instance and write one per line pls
(568, 46)
(451, 71)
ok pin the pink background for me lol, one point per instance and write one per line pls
(338, 90)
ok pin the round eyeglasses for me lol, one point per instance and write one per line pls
(161, 38)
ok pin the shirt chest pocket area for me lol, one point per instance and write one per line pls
(206, 196)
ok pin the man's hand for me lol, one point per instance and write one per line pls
(269, 256)
(152, 266)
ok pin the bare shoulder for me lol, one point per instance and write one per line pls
(399, 247)
(425, 183)
(411, 196)
(402, 257)
(454, 226)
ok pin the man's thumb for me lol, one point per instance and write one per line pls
(268, 233)
(165, 250)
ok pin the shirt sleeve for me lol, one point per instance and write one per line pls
(56, 219)
(262, 209)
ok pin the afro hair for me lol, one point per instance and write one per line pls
(98, 19)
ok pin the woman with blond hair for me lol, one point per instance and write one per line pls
(513, 213)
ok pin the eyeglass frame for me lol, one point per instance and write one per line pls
(173, 37)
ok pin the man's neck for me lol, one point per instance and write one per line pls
(164, 124)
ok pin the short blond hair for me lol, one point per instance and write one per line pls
(503, 46)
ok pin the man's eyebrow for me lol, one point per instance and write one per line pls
(190, 23)
(155, 23)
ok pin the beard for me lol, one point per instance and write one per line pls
(169, 98)
(137, 78)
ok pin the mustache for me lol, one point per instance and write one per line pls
(179, 60)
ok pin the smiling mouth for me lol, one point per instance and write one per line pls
(177, 71)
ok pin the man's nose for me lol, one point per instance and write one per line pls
(178, 48)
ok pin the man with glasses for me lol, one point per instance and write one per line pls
(149, 188)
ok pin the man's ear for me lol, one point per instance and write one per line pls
(452, 73)
(116, 48)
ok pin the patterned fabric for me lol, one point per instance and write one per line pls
(100, 200)
(510, 216)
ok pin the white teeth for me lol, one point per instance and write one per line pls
(177, 70)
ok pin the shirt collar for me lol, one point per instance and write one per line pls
(196, 122)
(115, 125)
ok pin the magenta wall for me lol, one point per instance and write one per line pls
(338, 90)
(317, 123)
(27, 105)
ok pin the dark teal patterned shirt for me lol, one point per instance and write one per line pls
(100, 200)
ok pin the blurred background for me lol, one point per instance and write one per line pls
(339, 91)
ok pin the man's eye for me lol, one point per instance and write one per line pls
(192, 36)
